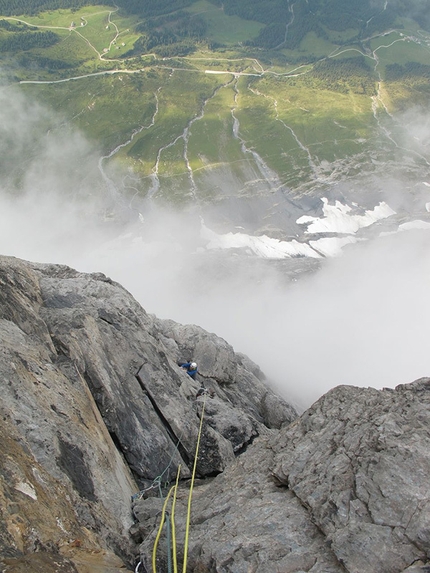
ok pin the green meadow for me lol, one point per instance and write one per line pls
(204, 112)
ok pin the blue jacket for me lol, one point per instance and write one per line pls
(190, 372)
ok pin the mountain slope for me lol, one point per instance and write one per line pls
(177, 106)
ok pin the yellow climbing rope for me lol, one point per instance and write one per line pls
(163, 515)
(163, 512)
(190, 495)
(175, 561)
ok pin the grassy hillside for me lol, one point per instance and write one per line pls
(200, 98)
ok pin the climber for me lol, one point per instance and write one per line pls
(190, 367)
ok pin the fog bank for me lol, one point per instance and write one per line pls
(363, 319)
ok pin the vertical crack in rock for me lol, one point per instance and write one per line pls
(176, 441)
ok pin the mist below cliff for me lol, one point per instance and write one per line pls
(363, 318)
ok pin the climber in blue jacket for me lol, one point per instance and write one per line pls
(190, 367)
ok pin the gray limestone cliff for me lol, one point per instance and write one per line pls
(342, 489)
(94, 408)
(96, 417)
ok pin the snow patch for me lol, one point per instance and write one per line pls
(263, 246)
(410, 225)
(337, 218)
(332, 246)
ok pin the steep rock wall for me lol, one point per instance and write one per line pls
(93, 398)
(95, 412)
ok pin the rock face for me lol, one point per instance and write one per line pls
(359, 460)
(344, 488)
(95, 407)
(97, 417)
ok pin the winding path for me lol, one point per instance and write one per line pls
(377, 101)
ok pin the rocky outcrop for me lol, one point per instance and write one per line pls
(95, 405)
(344, 488)
(359, 461)
(241, 522)
(96, 418)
